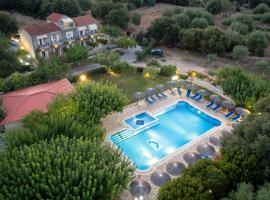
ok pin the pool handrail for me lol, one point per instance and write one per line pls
(188, 93)
(179, 91)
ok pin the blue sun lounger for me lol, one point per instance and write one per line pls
(159, 95)
(210, 104)
(179, 91)
(217, 107)
(198, 98)
(164, 95)
(149, 100)
(195, 96)
(229, 114)
(236, 117)
(188, 93)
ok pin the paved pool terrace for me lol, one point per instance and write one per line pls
(115, 122)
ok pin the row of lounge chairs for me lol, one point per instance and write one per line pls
(215, 107)
(155, 97)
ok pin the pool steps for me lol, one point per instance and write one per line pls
(127, 133)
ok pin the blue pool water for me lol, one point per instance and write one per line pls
(139, 120)
(174, 127)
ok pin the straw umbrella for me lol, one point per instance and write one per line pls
(138, 96)
(150, 91)
(175, 168)
(228, 104)
(160, 87)
(181, 82)
(214, 97)
(206, 149)
(160, 178)
(140, 188)
(215, 141)
(191, 158)
(242, 111)
(192, 86)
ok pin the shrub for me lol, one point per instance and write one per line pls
(212, 57)
(257, 43)
(265, 18)
(240, 52)
(77, 53)
(167, 70)
(101, 40)
(239, 27)
(107, 58)
(261, 8)
(150, 72)
(63, 169)
(262, 64)
(199, 23)
(214, 6)
(182, 20)
(120, 67)
(154, 63)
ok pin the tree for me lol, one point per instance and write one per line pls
(262, 105)
(257, 43)
(186, 188)
(125, 42)
(262, 64)
(212, 57)
(150, 72)
(8, 24)
(199, 23)
(261, 8)
(247, 20)
(226, 6)
(214, 6)
(232, 39)
(246, 191)
(213, 40)
(182, 20)
(164, 30)
(77, 53)
(68, 7)
(191, 39)
(121, 68)
(96, 100)
(8, 59)
(240, 52)
(112, 31)
(63, 168)
(167, 70)
(135, 18)
(239, 27)
(118, 17)
(248, 149)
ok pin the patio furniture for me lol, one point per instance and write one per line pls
(217, 107)
(229, 114)
(215, 141)
(179, 91)
(138, 96)
(161, 88)
(229, 105)
(210, 104)
(208, 151)
(171, 85)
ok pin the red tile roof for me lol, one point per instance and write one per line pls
(19, 103)
(41, 29)
(54, 17)
(84, 20)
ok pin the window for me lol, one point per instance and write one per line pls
(69, 34)
(40, 41)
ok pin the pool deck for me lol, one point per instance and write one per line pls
(114, 123)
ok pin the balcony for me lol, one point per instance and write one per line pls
(71, 39)
(83, 36)
(45, 45)
(57, 42)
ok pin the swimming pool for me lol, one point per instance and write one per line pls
(174, 127)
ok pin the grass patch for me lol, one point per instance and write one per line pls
(131, 83)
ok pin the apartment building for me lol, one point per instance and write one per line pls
(58, 33)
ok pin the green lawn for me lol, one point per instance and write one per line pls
(131, 83)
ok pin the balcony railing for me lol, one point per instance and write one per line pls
(57, 42)
(45, 45)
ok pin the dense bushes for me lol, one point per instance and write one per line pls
(76, 53)
(245, 88)
(46, 71)
(63, 169)
(167, 70)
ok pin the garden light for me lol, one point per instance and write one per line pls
(83, 78)
(175, 77)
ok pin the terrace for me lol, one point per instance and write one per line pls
(147, 183)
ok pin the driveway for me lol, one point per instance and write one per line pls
(85, 68)
(130, 54)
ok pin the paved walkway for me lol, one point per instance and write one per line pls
(130, 55)
(75, 71)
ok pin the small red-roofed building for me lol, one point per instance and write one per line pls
(17, 104)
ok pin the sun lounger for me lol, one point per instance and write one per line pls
(194, 96)
(229, 114)
(198, 98)
(188, 93)
(179, 91)
(217, 107)
(236, 117)
(149, 100)
(210, 104)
